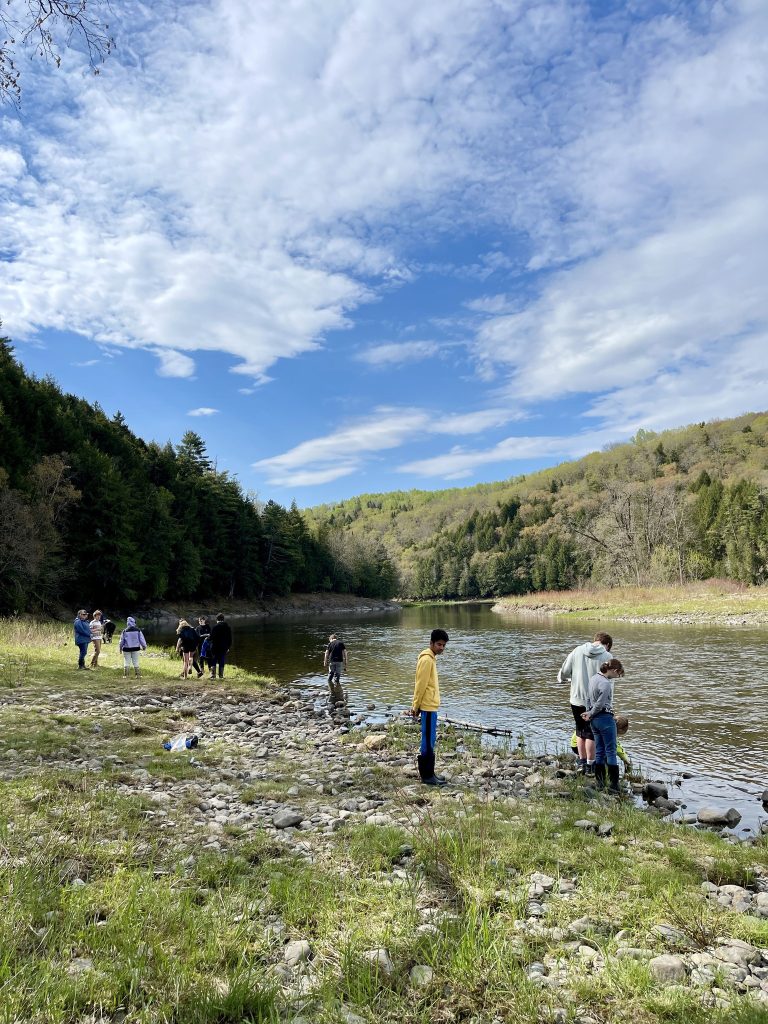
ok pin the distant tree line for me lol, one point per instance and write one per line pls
(90, 513)
(648, 522)
(685, 504)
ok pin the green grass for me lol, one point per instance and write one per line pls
(705, 601)
(113, 911)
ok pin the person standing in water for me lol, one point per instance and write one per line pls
(426, 701)
(335, 659)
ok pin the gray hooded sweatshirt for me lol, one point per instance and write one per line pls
(578, 668)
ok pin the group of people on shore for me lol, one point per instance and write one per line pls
(589, 669)
(591, 672)
(212, 644)
(100, 630)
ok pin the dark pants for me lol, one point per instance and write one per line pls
(83, 651)
(218, 660)
(428, 740)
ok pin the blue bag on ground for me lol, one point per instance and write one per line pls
(181, 742)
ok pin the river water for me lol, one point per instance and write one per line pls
(695, 695)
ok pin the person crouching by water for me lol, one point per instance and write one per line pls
(426, 701)
(131, 642)
(600, 716)
(82, 636)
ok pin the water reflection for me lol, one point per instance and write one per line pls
(692, 694)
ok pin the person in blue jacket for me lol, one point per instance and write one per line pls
(82, 636)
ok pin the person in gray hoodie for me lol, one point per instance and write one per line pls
(578, 668)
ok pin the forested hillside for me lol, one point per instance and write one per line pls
(690, 503)
(91, 514)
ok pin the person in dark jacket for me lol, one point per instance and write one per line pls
(82, 636)
(203, 632)
(186, 646)
(220, 643)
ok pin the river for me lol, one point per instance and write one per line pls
(694, 695)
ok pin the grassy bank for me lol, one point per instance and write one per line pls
(132, 894)
(709, 601)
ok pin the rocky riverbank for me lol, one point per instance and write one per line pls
(704, 603)
(277, 607)
(297, 836)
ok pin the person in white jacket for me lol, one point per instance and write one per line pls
(578, 668)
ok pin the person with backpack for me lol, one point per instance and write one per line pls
(335, 659)
(186, 645)
(131, 643)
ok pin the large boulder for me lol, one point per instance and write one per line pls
(717, 816)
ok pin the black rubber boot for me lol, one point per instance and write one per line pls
(430, 779)
(422, 762)
(600, 775)
(613, 779)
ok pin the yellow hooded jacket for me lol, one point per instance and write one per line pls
(426, 691)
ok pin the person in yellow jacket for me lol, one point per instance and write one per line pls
(426, 701)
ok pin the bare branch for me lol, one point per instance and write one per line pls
(46, 28)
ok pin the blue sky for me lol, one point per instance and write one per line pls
(364, 246)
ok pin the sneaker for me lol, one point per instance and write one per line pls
(589, 769)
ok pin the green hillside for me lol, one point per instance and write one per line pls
(689, 503)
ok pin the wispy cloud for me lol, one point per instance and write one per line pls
(397, 353)
(174, 364)
(349, 449)
(668, 221)
(461, 462)
(204, 410)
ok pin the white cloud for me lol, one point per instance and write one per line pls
(223, 188)
(397, 352)
(347, 450)
(174, 364)
(460, 462)
(252, 174)
(204, 410)
(663, 177)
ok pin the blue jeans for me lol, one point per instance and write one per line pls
(604, 728)
(83, 651)
(218, 661)
(428, 731)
